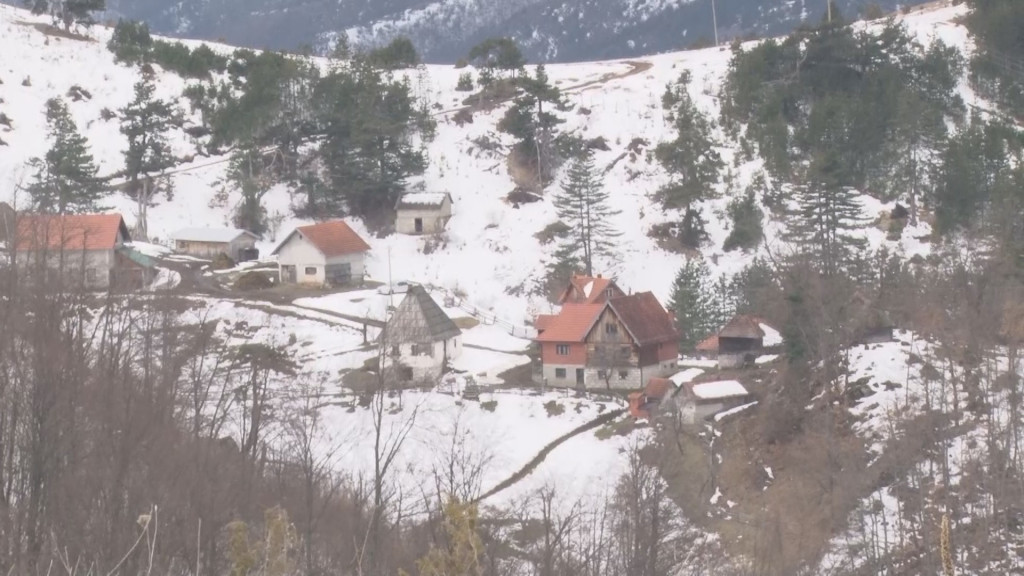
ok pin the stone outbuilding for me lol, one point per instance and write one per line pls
(420, 337)
(328, 253)
(239, 245)
(423, 212)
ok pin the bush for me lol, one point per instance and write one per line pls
(178, 58)
(222, 262)
(465, 83)
(131, 42)
(747, 229)
(253, 280)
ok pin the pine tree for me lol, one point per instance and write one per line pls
(690, 159)
(372, 126)
(68, 12)
(253, 178)
(582, 204)
(531, 120)
(65, 179)
(827, 219)
(693, 303)
(145, 122)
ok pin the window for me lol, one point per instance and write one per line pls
(404, 373)
(396, 351)
(602, 374)
(623, 374)
(611, 328)
(421, 350)
(560, 373)
(310, 270)
(562, 350)
(90, 274)
(625, 351)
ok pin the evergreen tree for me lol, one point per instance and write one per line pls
(249, 172)
(531, 120)
(690, 160)
(747, 230)
(68, 12)
(145, 122)
(693, 303)
(497, 54)
(582, 204)
(130, 42)
(827, 220)
(65, 179)
(372, 127)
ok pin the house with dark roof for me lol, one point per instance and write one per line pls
(617, 343)
(423, 212)
(328, 253)
(739, 342)
(420, 338)
(80, 249)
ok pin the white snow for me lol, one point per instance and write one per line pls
(684, 376)
(698, 363)
(732, 411)
(766, 359)
(719, 389)
(772, 337)
(424, 198)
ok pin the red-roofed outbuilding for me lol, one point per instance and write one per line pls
(325, 253)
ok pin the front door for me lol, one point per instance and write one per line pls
(288, 274)
(418, 223)
(579, 377)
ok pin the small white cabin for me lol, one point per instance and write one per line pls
(423, 213)
(329, 253)
(696, 402)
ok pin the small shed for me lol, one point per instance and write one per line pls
(740, 342)
(644, 403)
(698, 401)
(423, 212)
(421, 338)
(212, 242)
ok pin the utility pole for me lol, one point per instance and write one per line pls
(828, 4)
(714, 21)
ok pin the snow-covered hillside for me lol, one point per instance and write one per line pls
(491, 253)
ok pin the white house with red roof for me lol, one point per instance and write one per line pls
(328, 253)
(81, 249)
(602, 338)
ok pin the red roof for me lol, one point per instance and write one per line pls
(542, 321)
(709, 344)
(658, 388)
(572, 324)
(69, 232)
(644, 317)
(586, 290)
(332, 238)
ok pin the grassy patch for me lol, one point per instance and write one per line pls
(466, 322)
(620, 427)
(554, 408)
(490, 405)
(552, 232)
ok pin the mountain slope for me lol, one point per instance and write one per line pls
(445, 30)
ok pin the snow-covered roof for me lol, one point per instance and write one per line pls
(210, 234)
(684, 376)
(422, 199)
(719, 389)
(772, 337)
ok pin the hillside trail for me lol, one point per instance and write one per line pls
(635, 67)
(530, 466)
